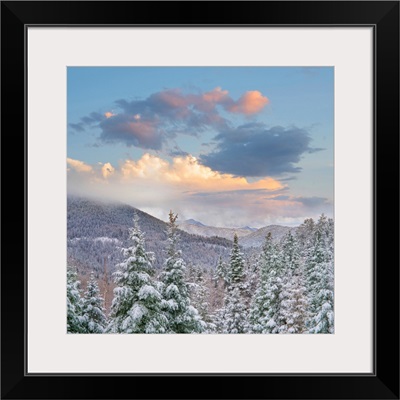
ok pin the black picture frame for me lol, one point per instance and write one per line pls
(383, 383)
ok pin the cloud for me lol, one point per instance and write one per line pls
(249, 207)
(79, 127)
(145, 134)
(253, 207)
(107, 169)
(149, 122)
(186, 173)
(287, 179)
(173, 111)
(148, 167)
(177, 152)
(216, 96)
(249, 103)
(79, 166)
(194, 191)
(89, 120)
(108, 114)
(152, 179)
(316, 150)
(253, 150)
(92, 118)
(281, 197)
(312, 201)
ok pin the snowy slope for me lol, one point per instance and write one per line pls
(257, 238)
(197, 228)
(97, 230)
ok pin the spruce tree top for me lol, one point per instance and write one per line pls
(236, 264)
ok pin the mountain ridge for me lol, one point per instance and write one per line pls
(97, 230)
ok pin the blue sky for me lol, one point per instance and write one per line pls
(229, 146)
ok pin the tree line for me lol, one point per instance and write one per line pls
(287, 288)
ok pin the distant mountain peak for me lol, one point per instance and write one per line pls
(248, 228)
(193, 222)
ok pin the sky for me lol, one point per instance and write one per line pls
(227, 146)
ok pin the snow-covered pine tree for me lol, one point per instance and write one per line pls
(217, 289)
(182, 316)
(319, 272)
(325, 227)
(293, 307)
(137, 303)
(234, 313)
(74, 303)
(305, 233)
(251, 280)
(199, 297)
(290, 253)
(218, 320)
(265, 309)
(221, 273)
(94, 319)
(293, 299)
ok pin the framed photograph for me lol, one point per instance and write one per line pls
(203, 200)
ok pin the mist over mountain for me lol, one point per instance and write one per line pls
(249, 237)
(257, 237)
(197, 228)
(98, 230)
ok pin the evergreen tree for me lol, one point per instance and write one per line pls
(137, 303)
(251, 281)
(182, 316)
(218, 320)
(235, 313)
(325, 228)
(293, 302)
(290, 253)
(320, 287)
(199, 296)
(305, 233)
(293, 305)
(94, 319)
(217, 288)
(236, 265)
(74, 303)
(265, 310)
(221, 273)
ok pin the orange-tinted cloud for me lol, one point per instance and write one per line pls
(249, 103)
(188, 174)
(172, 98)
(132, 130)
(184, 173)
(79, 166)
(147, 167)
(168, 113)
(155, 185)
(107, 169)
(215, 96)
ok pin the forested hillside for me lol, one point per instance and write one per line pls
(96, 232)
(193, 284)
